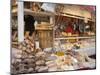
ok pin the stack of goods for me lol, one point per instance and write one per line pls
(74, 44)
(52, 66)
(28, 59)
(26, 53)
(41, 62)
(70, 60)
(81, 59)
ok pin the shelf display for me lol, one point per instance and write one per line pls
(44, 62)
(61, 40)
(76, 44)
(72, 27)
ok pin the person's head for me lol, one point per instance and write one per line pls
(29, 18)
(29, 24)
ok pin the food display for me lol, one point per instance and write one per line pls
(38, 60)
(62, 40)
(68, 26)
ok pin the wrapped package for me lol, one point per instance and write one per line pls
(68, 60)
(40, 62)
(49, 62)
(41, 53)
(43, 69)
(30, 70)
(52, 69)
(66, 67)
(51, 58)
(37, 67)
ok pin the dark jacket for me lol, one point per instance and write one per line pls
(29, 23)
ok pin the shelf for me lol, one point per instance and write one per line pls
(34, 13)
(76, 16)
(38, 13)
(74, 38)
(38, 28)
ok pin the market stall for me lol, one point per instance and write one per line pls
(63, 38)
